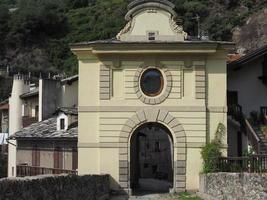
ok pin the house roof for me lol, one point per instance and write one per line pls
(32, 93)
(4, 105)
(71, 79)
(46, 129)
(67, 110)
(233, 57)
(250, 56)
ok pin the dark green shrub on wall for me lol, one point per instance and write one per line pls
(211, 152)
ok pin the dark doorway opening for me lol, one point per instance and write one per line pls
(151, 159)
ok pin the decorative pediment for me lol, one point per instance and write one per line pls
(150, 20)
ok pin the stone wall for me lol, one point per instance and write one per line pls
(62, 187)
(233, 186)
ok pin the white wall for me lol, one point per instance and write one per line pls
(69, 96)
(252, 93)
(15, 119)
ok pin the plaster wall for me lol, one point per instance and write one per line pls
(29, 106)
(252, 93)
(69, 96)
(24, 152)
(145, 21)
(4, 121)
(154, 20)
(20, 86)
(101, 121)
(49, 97)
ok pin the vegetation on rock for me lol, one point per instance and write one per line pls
(35, 36)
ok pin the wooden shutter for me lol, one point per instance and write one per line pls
(74, 159)
(35, 157)
(58, 158)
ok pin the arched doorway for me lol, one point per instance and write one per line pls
(151, 159)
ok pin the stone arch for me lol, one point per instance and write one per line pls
(179, 138)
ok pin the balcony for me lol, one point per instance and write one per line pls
(25, 170)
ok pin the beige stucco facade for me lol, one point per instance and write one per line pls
(112, 105)
(47, 151)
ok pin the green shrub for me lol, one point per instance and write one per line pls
(211, 152)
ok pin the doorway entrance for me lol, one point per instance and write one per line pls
(151, 159)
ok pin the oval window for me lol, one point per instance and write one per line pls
(151, 82)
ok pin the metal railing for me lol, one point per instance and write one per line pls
(264, 114)
(250, 164)
(264, 110)
(235, 110)
(25, 170)
(253, 137)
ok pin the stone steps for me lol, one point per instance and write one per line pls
(263, 141)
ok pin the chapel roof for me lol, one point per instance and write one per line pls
(139, 2)
(115, 41)
(137, 5)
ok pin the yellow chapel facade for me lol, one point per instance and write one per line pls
(149, 100)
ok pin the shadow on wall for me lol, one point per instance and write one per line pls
(3, 165)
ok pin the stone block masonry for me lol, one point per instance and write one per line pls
(234, 186)
(61, 187)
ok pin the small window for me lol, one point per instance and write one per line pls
(151, 82)
(151, 36)
(62, 124)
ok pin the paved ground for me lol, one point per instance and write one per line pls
(148, 186)
(146, 197)
(153, 189)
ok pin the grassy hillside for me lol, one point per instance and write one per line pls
(35, 36)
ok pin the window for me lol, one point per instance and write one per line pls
(62, 124)
(151, 36)
(151, 82)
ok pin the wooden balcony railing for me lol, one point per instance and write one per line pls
(24, 170)
(250, 164)
(253, 137)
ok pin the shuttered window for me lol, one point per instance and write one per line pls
(74, 159)
(58, 158)
(35, 156)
